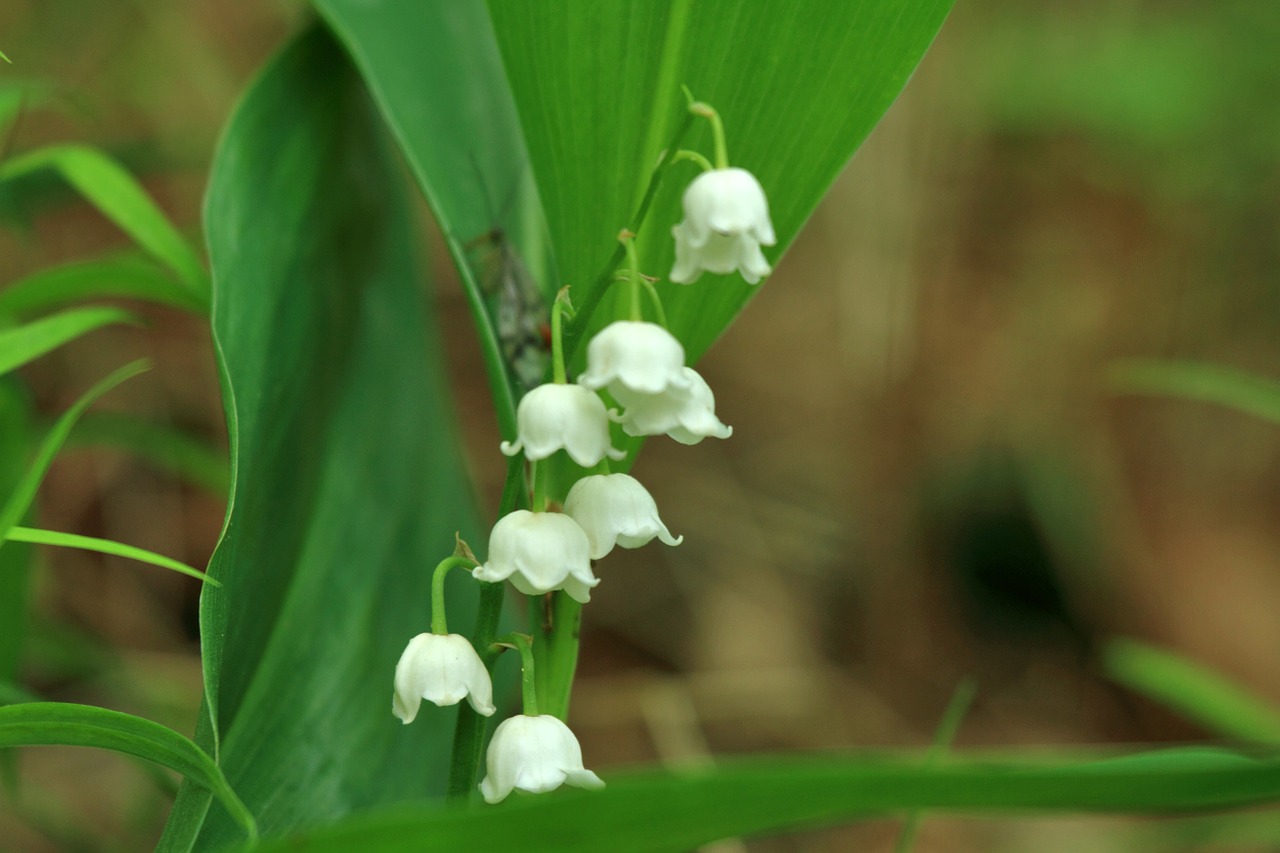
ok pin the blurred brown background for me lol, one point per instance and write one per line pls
(928, 478)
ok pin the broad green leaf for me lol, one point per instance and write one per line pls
(669, 811)
(119, 277)
(799, 86)
(1198, 381)
(65, 724)
(19, 501)
(165, 447)
(1194, 691)
(119, 196)
(21, 344)
(347, 485)
(103, 546)
(433, 69)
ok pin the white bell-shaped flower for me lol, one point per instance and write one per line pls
(726, 220)
(686, 414)
(615, 509)
(443, 669)
(540, 552)
(535, 754)
(552, 416)
(629, 355)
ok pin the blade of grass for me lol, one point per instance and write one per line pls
(103, 546)
(110, 188)
(945, 735)
(29, 341)
(124, 276)
(1194, 691)
(1198, 381)
(66, 724)
(24, 493)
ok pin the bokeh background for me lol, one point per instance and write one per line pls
(930, 479)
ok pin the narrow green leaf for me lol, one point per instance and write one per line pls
(165, 447)
(103, 546)
(943, 737)
(799, 86)
(1199, 381)
(65, 724)
(29, 341)
(15, 508)
(17, 438)
(119, 196)
(668, 811)
(119, 277)
(347, 484)
(1194, 691)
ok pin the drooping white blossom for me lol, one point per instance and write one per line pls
(686, 414)
(540, 552)
(443, 669)
(553, 416)
(535, 754)
(634, 356)
(616, 509)
(726, 221)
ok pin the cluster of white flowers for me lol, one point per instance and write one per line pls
(642, 367)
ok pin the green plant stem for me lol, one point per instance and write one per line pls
(633, 262)
(556, 652)
(696, 157)
(658, 310)
(471, 732)
(440, 625)
(595, 291)
(528, 680)
(541, 474)
(559, 374)
(961, 699)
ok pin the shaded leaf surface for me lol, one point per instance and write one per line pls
(346, 484)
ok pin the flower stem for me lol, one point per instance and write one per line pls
(633, 263)
(696, 157)
(717, 131)
(471, 732)
(557, 653)
(658, 310)
(528, 681)
(597, 288)
(439, 625)
(559, 374)
(541, 474)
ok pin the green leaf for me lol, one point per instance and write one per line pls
(1198, 381)
(165, 447)
(119, 196)
(65, 724)
(799, 86)
(1194, 691)
(103, 546)
(347, 485)
(15, 508)
(119, 277)
(669, 811)
(462, 140)
(29, 341)
(16, 439)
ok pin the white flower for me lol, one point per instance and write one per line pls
(554, 416)
(640, 357)
(539, 552)
(615, 508)
(441, 668)
(726, 220)
(686, 414)
(534, 754)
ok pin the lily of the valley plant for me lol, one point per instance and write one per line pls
(548, 548)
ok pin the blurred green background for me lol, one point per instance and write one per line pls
(929, 478)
